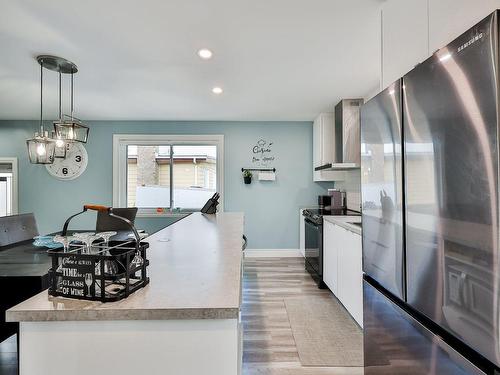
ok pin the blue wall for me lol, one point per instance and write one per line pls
(271, 208)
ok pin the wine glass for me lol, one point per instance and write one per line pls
(90, 241)
(88, 282)
(84, 237)
(64, 240)
(110, 266)
(106, 236)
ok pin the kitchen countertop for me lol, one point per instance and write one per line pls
(24, 260)
(195, 271)
(344, 222)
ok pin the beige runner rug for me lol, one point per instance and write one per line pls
(324, 332)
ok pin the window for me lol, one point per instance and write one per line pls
(159, 173)
(8, 186)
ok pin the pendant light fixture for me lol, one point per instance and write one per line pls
(60, 144)
(68, 127)
(41, 148)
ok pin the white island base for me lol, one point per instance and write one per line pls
(131, 347)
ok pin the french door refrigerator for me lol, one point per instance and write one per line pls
(430, 169)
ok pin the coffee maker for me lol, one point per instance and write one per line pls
(338, 199)
(325, 202)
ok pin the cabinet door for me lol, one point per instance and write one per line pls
(352, 278)
(324, 148)
(404, 28)
(327, 138)
(317, 143)
(330, 256)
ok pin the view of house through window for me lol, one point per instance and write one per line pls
(187, 173)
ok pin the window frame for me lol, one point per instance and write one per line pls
(15, 182)
(120, 143)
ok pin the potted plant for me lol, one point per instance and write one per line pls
(247, 176)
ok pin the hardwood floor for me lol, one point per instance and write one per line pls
(268, 344)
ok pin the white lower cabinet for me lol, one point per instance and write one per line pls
(330, 256)
(342, 267)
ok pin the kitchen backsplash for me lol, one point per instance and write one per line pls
(352, 186)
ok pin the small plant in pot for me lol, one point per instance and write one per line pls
(247, 176)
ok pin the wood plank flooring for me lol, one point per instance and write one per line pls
(268, 344)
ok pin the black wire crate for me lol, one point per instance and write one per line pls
(104, 271)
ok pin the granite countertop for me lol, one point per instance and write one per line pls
(195, 271)
(345, 222)
(24, 260)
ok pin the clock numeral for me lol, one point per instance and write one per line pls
(65, 171)
(78, 158)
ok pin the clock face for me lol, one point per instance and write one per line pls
(73, 165)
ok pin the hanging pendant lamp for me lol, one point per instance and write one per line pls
(41, 148)
(69, 128)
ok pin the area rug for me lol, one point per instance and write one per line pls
(324, 333)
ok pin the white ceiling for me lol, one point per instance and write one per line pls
(275, 59)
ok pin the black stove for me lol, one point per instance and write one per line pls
(314, 239)
(316, 214)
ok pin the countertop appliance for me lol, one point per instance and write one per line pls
(347, 124)
(313, 219)
(430, 193)
(338, 200)
(324, 202)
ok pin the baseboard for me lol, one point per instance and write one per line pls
(273, 253)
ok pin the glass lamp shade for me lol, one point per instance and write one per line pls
(71, 131)
(41, 149)
(60, 151)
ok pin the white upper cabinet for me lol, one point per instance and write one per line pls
(404, 38)
(324, 147)
(450, 18)
(412, 30)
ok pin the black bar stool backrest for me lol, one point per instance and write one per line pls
(107, 223)
(17, 228)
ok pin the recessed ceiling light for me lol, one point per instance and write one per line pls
(217, 90)
(205, 53)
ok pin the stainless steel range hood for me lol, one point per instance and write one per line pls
(347, 137)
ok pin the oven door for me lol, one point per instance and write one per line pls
(314, 247)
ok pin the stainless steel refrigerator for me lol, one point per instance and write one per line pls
(430, 170)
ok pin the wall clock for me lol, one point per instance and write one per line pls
(73, 165)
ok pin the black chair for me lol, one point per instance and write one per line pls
(107, 223)
(17, 228)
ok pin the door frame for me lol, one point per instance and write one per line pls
(15, 182)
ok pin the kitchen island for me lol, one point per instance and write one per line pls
(186, 321)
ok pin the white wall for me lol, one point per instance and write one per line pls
(414, 29)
